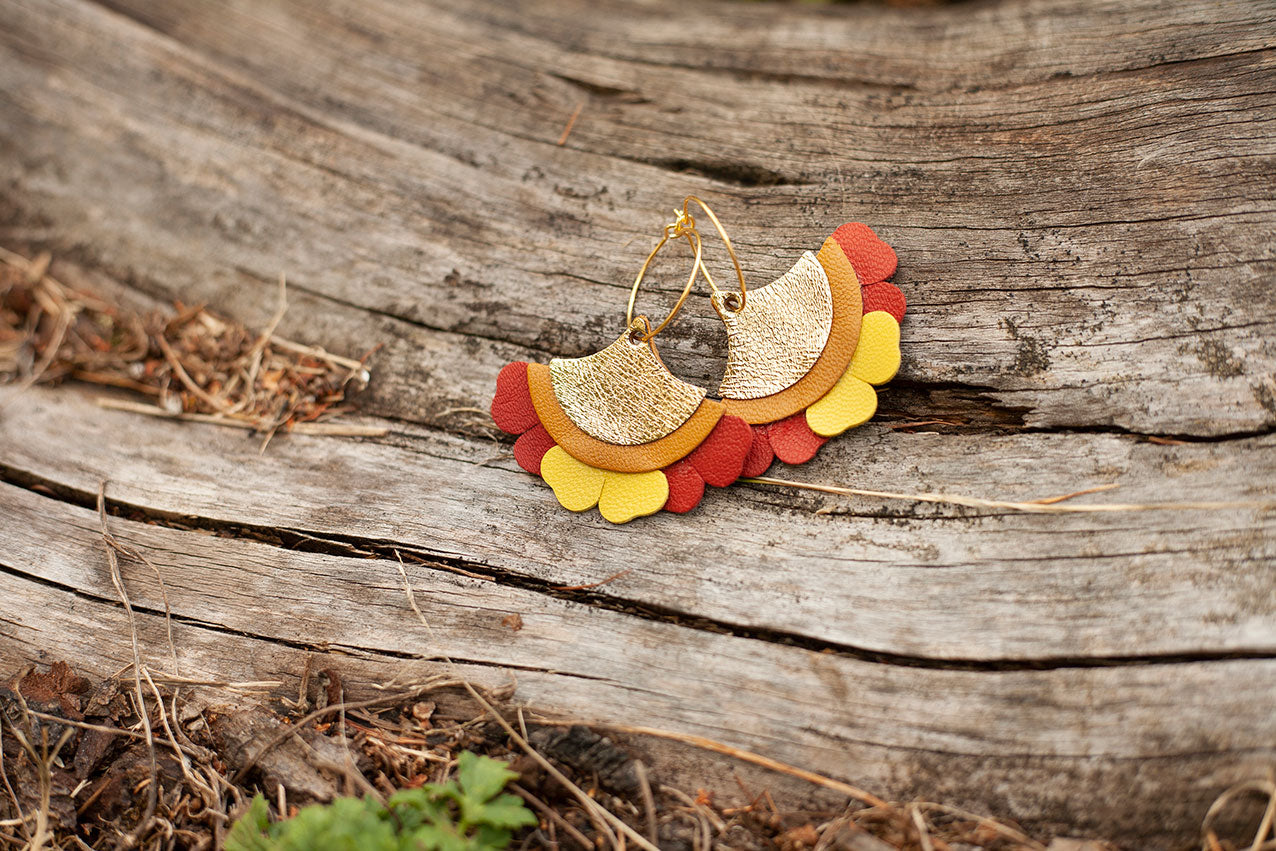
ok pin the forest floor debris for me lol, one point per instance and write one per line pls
(77, 770)
(191, 364)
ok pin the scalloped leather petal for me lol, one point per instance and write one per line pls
(760, 454)
(720, 458)
(884, 296)
(629, 495)
(876, 358)
(852, 402)
(531, 447)
(512, 408)
(686, 487)
(872, 258)
(793, 440)
(578, 486)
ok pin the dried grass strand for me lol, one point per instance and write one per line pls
(1048, 505)
(152, 793)
(326, 429)
(742, 755)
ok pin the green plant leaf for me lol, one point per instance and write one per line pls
(481, 777)
(506, 811)
(488, 838)
(441, 837)
(247, 834)
(345, 824)
(424, 805)
(471, 816)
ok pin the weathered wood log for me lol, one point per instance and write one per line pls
(1082, 199)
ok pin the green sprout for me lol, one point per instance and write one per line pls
(466, 814)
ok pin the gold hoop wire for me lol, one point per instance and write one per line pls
(726, 240)
(684, 225)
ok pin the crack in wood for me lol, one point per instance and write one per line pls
(309, 647)
(389, 550)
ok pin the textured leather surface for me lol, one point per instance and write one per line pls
(775, 338)
(852, 402)
(885, 296)
(872, 258)
(620, 497)
(843, 338)
(512, 409)
(577, 486)
(629, 495)
(720, 458)
(686, 487)
(623, 394)
(760, 454)
(610, 456)
(793, 440)
(531, 447)
(876, 358)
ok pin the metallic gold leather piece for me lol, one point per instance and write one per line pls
(623, 394)
(837, 354)
(775, 339)
(610, 456)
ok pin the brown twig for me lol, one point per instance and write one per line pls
(742, 755)
(571, 122)
(549, 812)
(648, 802)
(296, 728)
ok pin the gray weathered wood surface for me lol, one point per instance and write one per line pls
(1082, 198)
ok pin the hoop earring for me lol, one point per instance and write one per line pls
(806, 352)
(616, 429)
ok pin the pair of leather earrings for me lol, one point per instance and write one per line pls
(616, 429)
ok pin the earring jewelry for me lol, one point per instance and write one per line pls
(616, 429)
(806, 352)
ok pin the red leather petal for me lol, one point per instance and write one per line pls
(720, 458)
(793, 440)
(872, 259)
(686, 487)
(760, 454)
(884, 296)
(531, 447)
(512, 405)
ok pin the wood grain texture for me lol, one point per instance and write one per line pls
(1081, 198)
(826, 711)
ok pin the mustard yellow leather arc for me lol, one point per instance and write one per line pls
(643, 458)
(833, 361)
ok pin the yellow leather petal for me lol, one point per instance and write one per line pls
(851, 402)
(629, 495)
(876, 357)
(576, 484)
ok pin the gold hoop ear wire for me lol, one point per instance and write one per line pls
(726, 240)
(684, 226)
